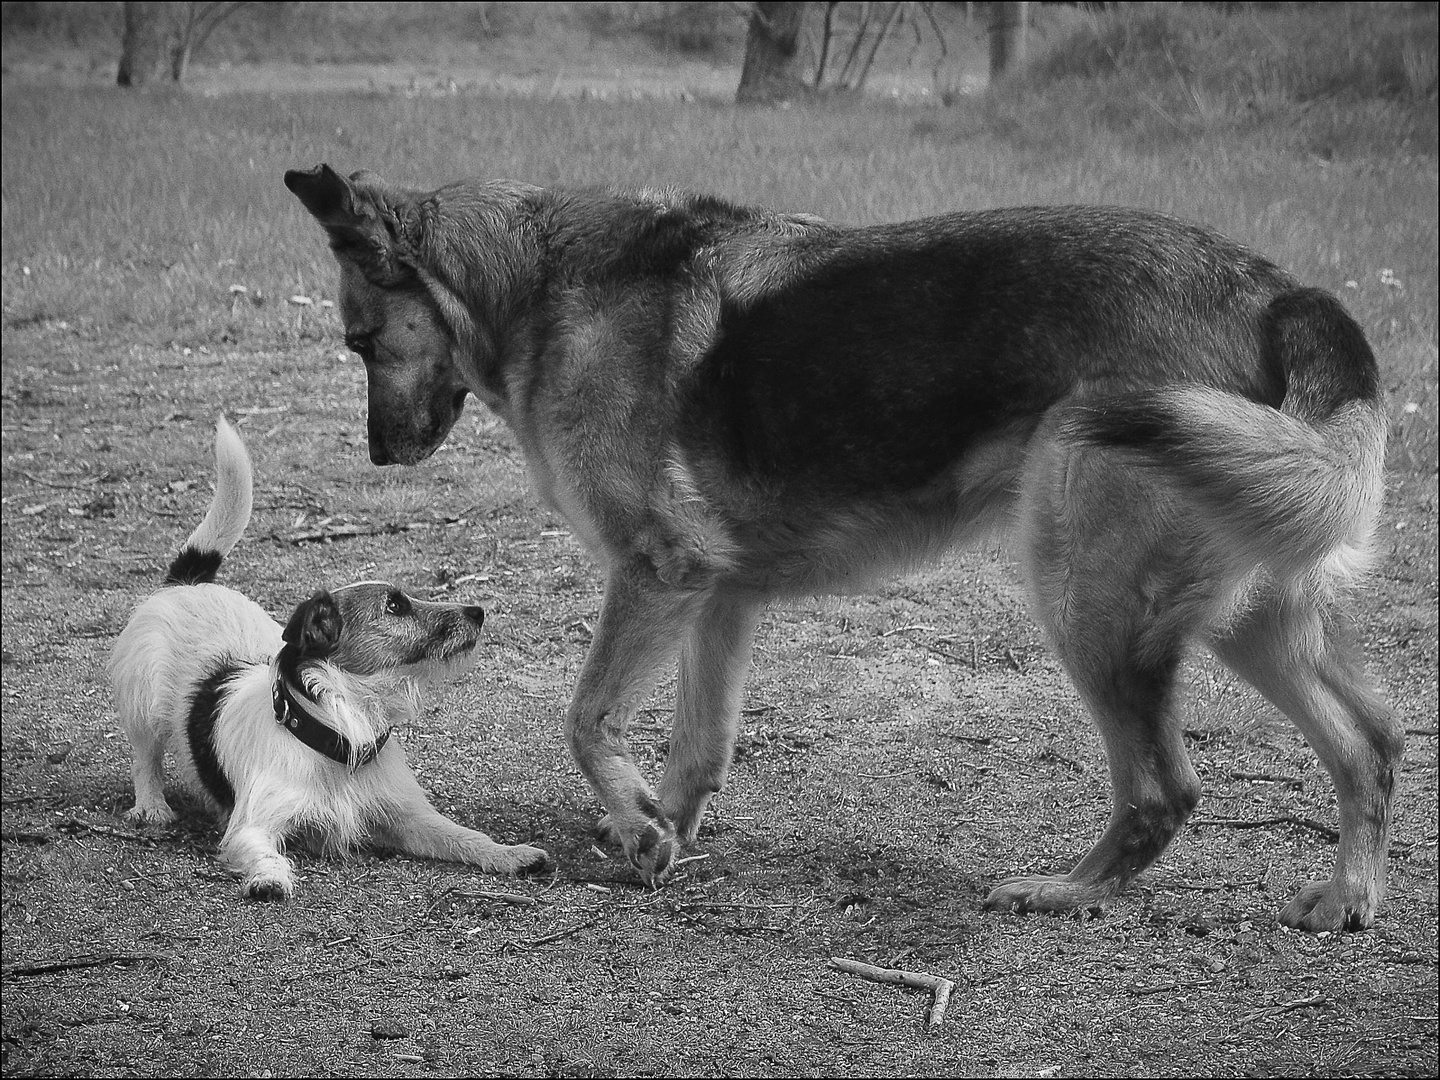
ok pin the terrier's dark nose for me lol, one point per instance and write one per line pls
(475, 614)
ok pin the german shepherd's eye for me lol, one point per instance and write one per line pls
(397, 603)
(362, 345)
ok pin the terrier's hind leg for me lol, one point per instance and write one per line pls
(147, 772)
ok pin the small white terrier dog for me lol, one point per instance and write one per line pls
(287, 731)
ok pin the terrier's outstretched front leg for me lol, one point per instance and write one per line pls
(410, 824)
(642, 623)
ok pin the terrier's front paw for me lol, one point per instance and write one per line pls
(521, 859)
(269, 887)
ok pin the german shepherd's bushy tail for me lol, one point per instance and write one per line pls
(229, 513)
(1297, 488)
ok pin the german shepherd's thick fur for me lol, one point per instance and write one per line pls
(730, 405)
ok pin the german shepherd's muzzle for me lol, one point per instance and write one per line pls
(731, 405)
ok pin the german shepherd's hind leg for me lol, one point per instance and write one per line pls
(1112, 583)
(1289, 647)
(714, 660)
(414, 827)
(642, 623)
(1155, 786)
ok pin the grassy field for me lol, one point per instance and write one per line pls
(899, 751)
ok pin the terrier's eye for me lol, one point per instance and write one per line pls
(397, 603)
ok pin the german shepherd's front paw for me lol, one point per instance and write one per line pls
(1319, 906)
(650, 843)
(1053, 895)
(157, 814)
(652, 852)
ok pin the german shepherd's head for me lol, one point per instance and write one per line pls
(411, 266)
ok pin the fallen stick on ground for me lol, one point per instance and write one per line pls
(1261, 823)
(940, 989)
(72, 963)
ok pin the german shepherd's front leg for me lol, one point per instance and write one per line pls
(642, 623)
(713, 664)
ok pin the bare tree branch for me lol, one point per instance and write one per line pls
(895, 12)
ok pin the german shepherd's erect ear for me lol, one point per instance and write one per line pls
(362, 216)
(314, 629)
(325, 193)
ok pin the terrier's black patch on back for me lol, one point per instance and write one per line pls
(193, 567)
(205, 704)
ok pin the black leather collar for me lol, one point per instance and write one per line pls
(292, 713)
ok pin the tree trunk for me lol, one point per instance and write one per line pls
(771, 50)
(1007, 37)
(179, 59)
(142, 45)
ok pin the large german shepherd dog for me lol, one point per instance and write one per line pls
(730, 405)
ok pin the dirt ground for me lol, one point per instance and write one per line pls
(899, 753)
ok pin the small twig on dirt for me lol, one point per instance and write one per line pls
(10, 836)
(1165, 987)
(940, 989)
(1432, 732)
(1196, 886)
(76, 827)
(559, 934)
(518, 899)
(1260, 823)
(978, 740)
(1268, 778)
(72, 963)
(349, 532)
(1314, 1002)
(906, 630)
(720, 905)
(951, 656)
(86, 486)
(157, 510)
(1014, 661)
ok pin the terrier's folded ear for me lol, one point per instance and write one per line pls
(314, 628)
